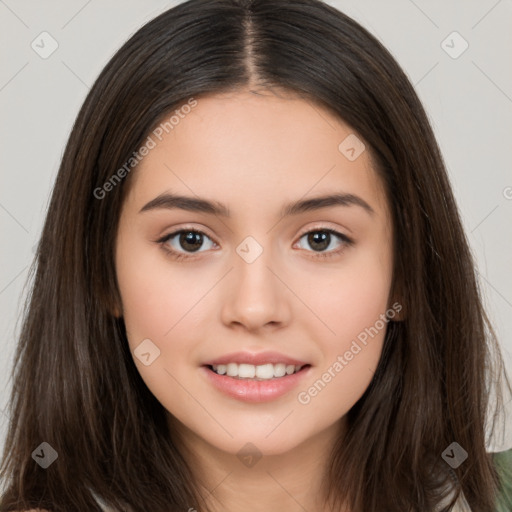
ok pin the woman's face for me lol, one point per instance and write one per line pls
(262, 265)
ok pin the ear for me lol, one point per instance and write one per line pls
(396, 311)
(116, 312)
(114, 307)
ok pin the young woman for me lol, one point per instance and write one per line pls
(253, 290)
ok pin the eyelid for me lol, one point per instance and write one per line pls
(317, 227)
(344, 240)
(324, 226)
(179, 255)
(185, 227)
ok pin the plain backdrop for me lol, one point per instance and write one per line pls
(456, 53)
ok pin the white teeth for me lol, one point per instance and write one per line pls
(221, 369)
(279, 370)
(261, 372)
(246, 371)
(231, 369)
(265, 371)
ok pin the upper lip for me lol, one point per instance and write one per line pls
(255, 359)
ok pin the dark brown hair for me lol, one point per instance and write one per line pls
(75, 385)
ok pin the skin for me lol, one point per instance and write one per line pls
(255, 152)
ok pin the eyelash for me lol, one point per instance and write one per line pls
(179, 256)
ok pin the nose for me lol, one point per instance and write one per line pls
(255, 297)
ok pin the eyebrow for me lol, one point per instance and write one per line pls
(196, 204)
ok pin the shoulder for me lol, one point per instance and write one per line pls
(503, 458)
(503, 464)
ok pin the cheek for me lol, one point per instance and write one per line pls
(351, 297)
(351, 307)
(347, 368)
(168, 307)
(155, 297)
(159, 305)
(342, 382)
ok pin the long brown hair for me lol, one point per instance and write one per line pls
(75, 385)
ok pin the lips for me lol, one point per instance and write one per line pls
(256, 359)
(254, 390)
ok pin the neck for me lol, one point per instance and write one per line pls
(251, 481)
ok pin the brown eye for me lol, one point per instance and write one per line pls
(185, 241)
(190, 240)
(321, 239)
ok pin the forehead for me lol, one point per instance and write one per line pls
(241, 146)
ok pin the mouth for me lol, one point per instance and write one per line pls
(255, 384)
(263, 372)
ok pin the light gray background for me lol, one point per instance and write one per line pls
(468, 99)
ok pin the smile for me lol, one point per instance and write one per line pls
(255, 389)
(261, 372)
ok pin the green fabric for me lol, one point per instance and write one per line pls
(503, 463)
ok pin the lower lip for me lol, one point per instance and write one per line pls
(255, 390)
